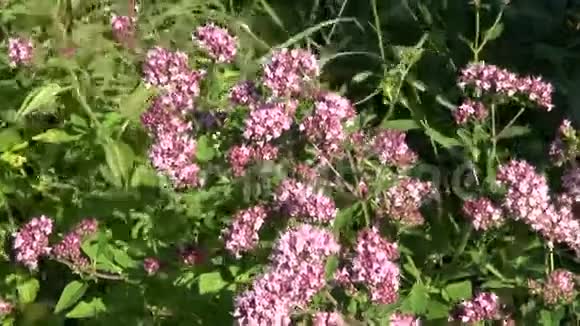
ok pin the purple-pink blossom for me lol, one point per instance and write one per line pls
(245, 93)
(324, 127)
(558, 287)
(172, 154)
(403, 201)
(485, 306)
(269, 121)
(151, 265)
(483, 213)
(571, 182)
(301, 200)
(5, 307)
(242, 235)
(374, 266)
(216, 42)
(69, 248)
(123, 27)
(392, 149)
(324, 318)
(31, 241)
(492, 79)
(20, 51)
(289, 72)
(470, 110)
(295, 275)
(400, 319)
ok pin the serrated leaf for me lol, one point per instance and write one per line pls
(211, 282)
(205, 151)
(403, 124)
(55, 136)
(458, 291)
(72, 293)
(514, 131)
(417, 300)
(39, 99)
(87, 309)
(28, 290)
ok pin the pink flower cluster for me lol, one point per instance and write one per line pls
(5, 307)
(190, 255)
(151, 265)
(245, 93)
(470, 110)
(399, 319)
(295, 275)
(392, 149)
(557, 288)
(490, 78)
(123, 27)
(328, 319)
(566, 146)
(20, 51)
(571, 182)
(289, 71)
(242, 235)
(484, 306)
(174, 148)
(324, 127)
(403, 200)
(528, 199)
(269, 121)
(483, 213)
(69, 248)
(374, 266)
(240, 156)
(170, 71)
(217, 42)
(31, 241)
(300, 200)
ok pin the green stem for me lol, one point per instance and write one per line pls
(551, 253)
(476, 47)
(338, 16)
(493, 132)
(495, 23)
(378, 29)
(512, 121)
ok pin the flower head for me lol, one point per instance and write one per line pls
(242, 235)
(216, 42)
(20, 51)
(403, 200)
(483, 307)
(31, 241)
(392, 149)
(151, 265)
(289, 71)
(470, 111)
(483, 213)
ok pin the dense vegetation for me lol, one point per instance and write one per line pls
(321, 162)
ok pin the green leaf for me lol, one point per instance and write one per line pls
(120, 158)
(458, 291)
(72, 293)
(417, 300)
(205, 151)
(438, 137)
(344, 217)
(132, 105)
(8, 138)
(514, 131)
(28, 290)
(494, 32)
(123, 259)
(437, 310)
(331, 266)
(311, 30)
(211, 282)
(40, 99)
(403, 124)
(87, 309)
(56, 136)
(143, 176)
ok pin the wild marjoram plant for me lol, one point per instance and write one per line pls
(325, 219)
